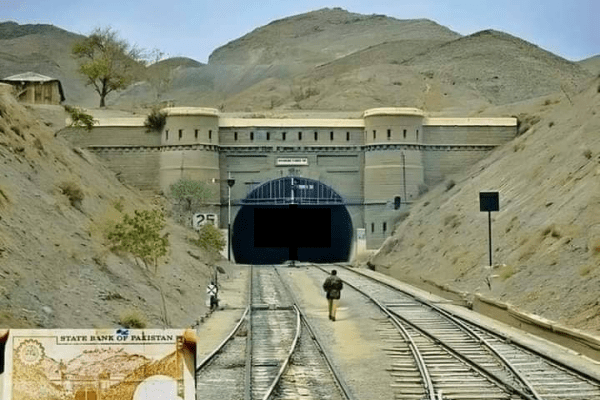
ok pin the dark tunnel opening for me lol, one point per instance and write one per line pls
(274, 234)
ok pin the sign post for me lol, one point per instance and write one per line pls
(489, 201)
(230, 183)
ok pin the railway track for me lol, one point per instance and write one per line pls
(438, 356)
(271, 354)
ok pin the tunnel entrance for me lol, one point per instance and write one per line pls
(292, 218)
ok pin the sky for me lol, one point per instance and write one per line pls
(187, 28)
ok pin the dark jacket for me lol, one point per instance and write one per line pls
(333, 286)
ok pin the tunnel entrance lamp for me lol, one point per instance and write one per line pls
(230, 183)
(489, 201)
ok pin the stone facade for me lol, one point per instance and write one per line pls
(388, 153)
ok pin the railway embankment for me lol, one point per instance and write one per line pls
(564, 344)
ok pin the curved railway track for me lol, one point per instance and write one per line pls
(439, 356)
(265, 356)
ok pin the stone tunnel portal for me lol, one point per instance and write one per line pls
(292, 218)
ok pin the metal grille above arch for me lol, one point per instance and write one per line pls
(293, 190)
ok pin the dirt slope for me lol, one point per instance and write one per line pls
(55, 268)
(592, 64)
(546, 236)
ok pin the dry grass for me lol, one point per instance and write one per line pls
(506, 272)
(452, 221)
(552, 230)
(133, 319)
(585, 270)
(73, 193)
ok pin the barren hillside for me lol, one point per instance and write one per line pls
(592, 64)
(55, 267)
(546, 236)
(472, 72)
(321, 36)
(329, 59)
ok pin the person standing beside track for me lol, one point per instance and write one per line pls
(212, 291)
(333, 287)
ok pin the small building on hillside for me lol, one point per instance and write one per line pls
(34, 88)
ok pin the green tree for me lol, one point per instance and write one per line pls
(108, 62)
(155, 121)
(79, 118)
(210, 238)
(190, 191)
(140, 235)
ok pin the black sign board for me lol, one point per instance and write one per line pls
(488, 201)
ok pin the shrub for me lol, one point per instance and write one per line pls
(452, 220)
(118, 204)
(552, 231)
(587, 153)
(156, 120)
(301, 93)
(190, 191)
(584, 270)
(140, 236)
(79, 118)
(210, 238)
(507, 272)
(3, 197)
(450, 184)
(73, 193)
(132, 319)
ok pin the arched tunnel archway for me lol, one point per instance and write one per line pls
(292, 218)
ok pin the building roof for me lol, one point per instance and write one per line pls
(34, 77)
(393, 111)
(292, 123)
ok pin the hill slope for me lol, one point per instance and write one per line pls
(55, 268)
(321, 36)
(546, 236)
(328, 59)
(592, 64)
(470, 72)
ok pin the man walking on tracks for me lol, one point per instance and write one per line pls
(333, 286)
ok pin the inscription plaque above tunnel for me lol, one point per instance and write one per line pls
(292, 218)
(291, 161)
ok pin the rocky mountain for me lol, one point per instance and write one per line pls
(480, 70)
(321, 36)
(284, 49)
(329, 59)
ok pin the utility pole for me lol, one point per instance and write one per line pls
(404, 174)
(230, 183)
